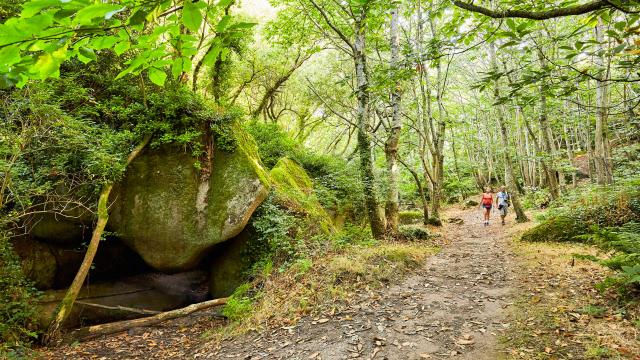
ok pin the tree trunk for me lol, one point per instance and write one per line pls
(376, 219)
(549, 171)
(393, 142)
(604, 170)
(510, 178)
(438, 138)
(64, 309)
(423, 196)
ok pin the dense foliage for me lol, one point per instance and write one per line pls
(606, 217)
(17, 303)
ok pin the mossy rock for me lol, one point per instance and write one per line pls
(169, 215)
(471, 203)
(415, 233)
(557, 229)
(434, 221)
(293, 190)
(229, 265)
(411, 217)
(38, 262)
(71, 227)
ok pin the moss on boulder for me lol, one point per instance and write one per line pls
(293, 190)
(172, 215)
(411, 217)
(229, 265)
(556, 229)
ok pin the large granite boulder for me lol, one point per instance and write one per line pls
(172, 213)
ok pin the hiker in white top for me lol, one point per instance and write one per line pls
(502, 198)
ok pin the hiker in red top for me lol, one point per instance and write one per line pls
(487, 203)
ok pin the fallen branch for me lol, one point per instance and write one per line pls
(119, 308)
(91, 332)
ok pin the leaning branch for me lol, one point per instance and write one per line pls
(94, 331)
(536, 15)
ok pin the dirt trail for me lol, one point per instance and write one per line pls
(452, 307)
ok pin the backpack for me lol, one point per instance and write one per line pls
(487, 199)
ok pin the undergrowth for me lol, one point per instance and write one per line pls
(607, 217)
(18, 300)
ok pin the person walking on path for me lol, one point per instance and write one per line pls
(502, 199)
(487, 204)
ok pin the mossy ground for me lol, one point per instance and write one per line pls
(556, 229)
(560, 314)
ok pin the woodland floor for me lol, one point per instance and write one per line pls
(481, 297)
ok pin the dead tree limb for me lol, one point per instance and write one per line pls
(91, 332)
(119, 308)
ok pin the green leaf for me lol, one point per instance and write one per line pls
(8, 56)
(191, 16)
(157, 76)
(176, 68)
(104, 42)
(45, 65)
(122, 47)
(86, 55)
(102, 11)
(34, 7)
(224, 22)
(212, 55)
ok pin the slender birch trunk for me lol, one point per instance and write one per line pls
(393, 142)
(376, 218)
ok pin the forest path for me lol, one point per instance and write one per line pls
(454, 306)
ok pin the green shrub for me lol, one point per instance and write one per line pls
(604, 206)
(273, 239)
(455, 189)
(623, 246)
(536, 198)
(273, 142)
(411, 217)
(18, 300)
(354, 235)
(414, 233)
(559, 229)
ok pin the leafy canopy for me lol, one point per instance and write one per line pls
(160, 35)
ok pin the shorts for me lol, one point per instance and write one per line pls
(503, 210)
(488, 207)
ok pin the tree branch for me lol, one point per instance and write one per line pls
(332, 26)
(536, 15)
